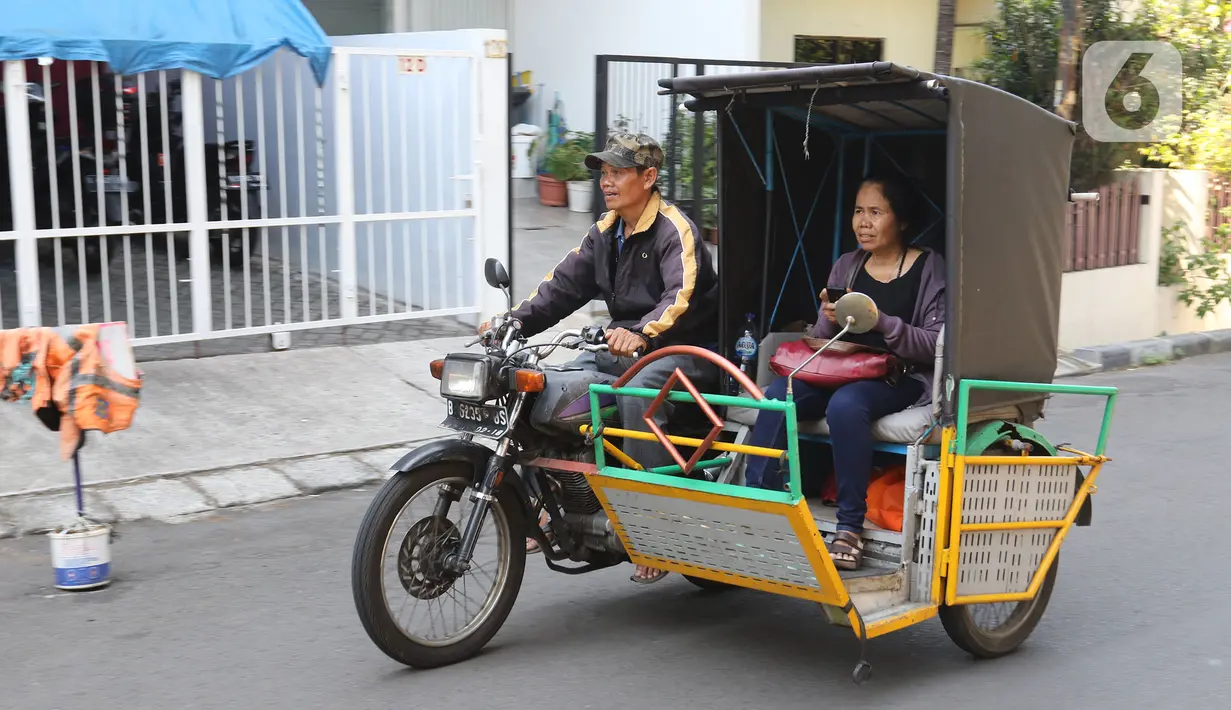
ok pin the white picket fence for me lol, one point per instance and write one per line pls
(373, 198)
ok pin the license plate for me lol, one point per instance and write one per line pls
(111, 183)
(483, 420)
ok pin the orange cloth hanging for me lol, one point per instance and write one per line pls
(72, 385)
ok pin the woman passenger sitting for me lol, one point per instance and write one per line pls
(908, 287)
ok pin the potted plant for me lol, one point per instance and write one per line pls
(551, 190)
(567, 181)
(580, 181)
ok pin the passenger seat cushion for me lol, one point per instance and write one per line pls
(902, 427)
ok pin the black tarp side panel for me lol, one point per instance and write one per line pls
(1012, 179)
(741, 234)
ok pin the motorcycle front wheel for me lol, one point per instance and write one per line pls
(413, 607)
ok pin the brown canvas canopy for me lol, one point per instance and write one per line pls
(992, 171)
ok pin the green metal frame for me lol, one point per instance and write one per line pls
(967, 386)
(672, 475)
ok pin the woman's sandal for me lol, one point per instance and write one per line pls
(846, 550)
(532, 545)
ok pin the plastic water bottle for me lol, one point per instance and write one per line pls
(746, 350)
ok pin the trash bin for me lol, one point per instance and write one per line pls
(523, 135)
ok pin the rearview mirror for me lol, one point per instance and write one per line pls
(495, 273)
(859, 309)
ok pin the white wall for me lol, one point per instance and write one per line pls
(908, 28)
(557, 41)
(437, 15)
(1122, 303)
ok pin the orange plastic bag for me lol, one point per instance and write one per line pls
(885, 495)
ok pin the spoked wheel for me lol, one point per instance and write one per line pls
(414, 605)
(994, 630)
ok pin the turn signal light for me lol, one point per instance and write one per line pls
(529, 381)
(437, 367)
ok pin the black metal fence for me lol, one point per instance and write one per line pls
(626, 98)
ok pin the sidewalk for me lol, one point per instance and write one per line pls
(234, 430)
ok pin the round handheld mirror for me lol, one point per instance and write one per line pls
(859, 309)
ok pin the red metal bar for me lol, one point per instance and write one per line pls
(694, 351)
(679, 376)
(563, 465)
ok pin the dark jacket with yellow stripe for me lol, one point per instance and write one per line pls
(663, 285)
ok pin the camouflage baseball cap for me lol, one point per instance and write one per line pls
(626, 150)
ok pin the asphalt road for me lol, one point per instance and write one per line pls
(252, 609)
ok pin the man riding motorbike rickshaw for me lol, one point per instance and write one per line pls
(643, 258)
(964, 302)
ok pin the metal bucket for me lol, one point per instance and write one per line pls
(81, 555)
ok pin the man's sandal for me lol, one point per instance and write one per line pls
(654, 577)
(532, 545)
(846, 550)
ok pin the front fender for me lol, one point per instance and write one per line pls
(472, 454)
(454, 450)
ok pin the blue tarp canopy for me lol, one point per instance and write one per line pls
(217, 38)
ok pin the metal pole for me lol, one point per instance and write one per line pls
(600, 122)
(198, 215)
(77, 479)
(348, 261)
(769, 220)
(21, 189)
(698, 160)
(837, 214)
(509, 139)
(673, 140)
(718, 216)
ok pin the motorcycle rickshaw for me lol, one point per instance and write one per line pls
(987, 501)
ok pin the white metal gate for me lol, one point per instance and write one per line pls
(373, 198)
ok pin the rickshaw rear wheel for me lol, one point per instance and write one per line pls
(709, 584)
(982, 642)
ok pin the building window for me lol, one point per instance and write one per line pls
(838, 50)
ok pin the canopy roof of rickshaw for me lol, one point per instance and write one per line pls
(217, 38)
(1007, 183)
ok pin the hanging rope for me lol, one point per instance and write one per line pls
(808, 122)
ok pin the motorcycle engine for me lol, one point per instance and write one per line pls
(572, 490)
(581, 507)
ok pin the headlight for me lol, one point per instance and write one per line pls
(465, 379)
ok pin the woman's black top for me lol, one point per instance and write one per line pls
(896, 298)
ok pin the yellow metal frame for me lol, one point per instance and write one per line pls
(946, 564)
(905, 620)
(831, 590)
(678, 440)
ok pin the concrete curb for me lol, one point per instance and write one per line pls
(1155, 351)
(170, 497)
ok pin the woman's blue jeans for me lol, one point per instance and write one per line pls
(850, 410)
